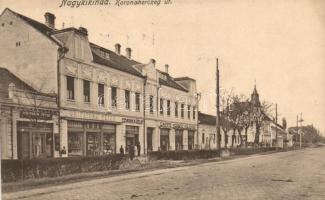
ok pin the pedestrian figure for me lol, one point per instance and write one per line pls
(131, 152)
(138, 148)
(63, 151)
(121, 150)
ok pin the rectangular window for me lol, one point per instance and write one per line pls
(182, 110)
(70, 88)
(114, 97)
(86, 91)
(176, 109)
(137, 101)
(161, 106)
(188, 111)
(203, 138)
(101, 94)
(194, 111)
(168, 107)
(127, 99)
(151, 103)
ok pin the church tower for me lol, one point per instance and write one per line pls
(255, 99)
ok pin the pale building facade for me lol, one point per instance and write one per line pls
(102, 94)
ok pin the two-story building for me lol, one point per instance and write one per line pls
(106, 100)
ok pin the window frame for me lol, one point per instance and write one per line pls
(70, 89)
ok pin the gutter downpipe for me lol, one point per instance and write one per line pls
(61, 53)
(144, 114)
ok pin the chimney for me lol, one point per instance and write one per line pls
(117, 48)
(11, 90)
(50, 20)
(83, 30)
(153, 62)
(166, 68)
(128, 52)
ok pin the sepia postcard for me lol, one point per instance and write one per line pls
(162, 99)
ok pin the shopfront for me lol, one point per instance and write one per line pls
(91, 138)
(35, 140)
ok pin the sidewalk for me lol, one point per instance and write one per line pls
(131, 168)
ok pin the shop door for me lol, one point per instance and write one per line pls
(42, 145)
(164, 139)
(93, 144)
(178, 140)
(149, 139)
(190, 140)
(24, 141)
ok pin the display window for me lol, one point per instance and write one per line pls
(75, 143)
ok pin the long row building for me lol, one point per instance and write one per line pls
(61, 93)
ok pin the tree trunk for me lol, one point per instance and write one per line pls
(233, 137)
(246, 138)
(257, 134)
(241, 137)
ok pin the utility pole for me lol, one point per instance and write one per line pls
(276, 125)
(298, 131)
(217, 105)
(300, 136)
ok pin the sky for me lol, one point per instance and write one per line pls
(278, 44)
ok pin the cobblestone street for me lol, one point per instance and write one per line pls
(288, 175)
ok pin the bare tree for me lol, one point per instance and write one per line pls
(259, 113)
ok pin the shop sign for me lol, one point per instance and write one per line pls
(165, 125)
(177, 126)
(36, 114)
(132, 120)
(89, 116)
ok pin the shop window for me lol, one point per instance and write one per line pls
(182, 110)
(189, 112)
(151, 103)
(86, 85)
(161, 106)
(168, 107)
(194, 112)
(101, 94)
(75, 141)
(137, 101)
(70, 88)
(114, 97)
(176, 109)
(127, 99)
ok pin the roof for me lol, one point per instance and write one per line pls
(6, 78)
(207, 119)
(115, 61)
(184, 78)
(42, 28)
(170, 82)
